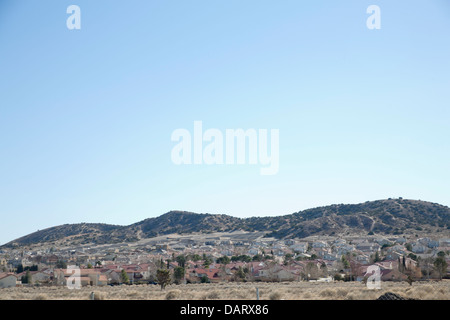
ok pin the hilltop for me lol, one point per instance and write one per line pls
(387, 217)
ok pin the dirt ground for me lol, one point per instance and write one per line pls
(236, 291)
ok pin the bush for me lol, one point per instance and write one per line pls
(173, 294)
(275, 296)
(213, 295)
(327, 293)
(338, 277)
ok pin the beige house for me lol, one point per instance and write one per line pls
(88, 277)
(7, 280)
(36, 276)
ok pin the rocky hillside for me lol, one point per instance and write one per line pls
(391, 216)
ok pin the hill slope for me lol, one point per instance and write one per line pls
(392, 216)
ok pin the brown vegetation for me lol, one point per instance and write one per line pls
(236, 291)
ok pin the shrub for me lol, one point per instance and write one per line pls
(173, 294)
(275, 296)
(214, 295)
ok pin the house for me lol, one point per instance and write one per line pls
(196, 274)
(393, 255)
(344, 249)
(400, 240)
(319, 244)
(367, 247)
(363, 258)
(330, 256)
(417, 248)
(392, 275)
(299, 247)
(90, 277)
(253, 251)
(289, 242)
(7, 280)
(275, 273)
(433, 244)
(383, 241)
(36, 276)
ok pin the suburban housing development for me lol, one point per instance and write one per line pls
(229, 257)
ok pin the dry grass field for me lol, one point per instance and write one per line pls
(236, 291)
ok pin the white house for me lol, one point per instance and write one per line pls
(418, 248)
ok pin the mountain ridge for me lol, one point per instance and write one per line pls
(389, 216)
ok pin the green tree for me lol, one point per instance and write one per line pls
(287, 259)
(440, 265)
(178, 274)
(223, 260)
(377, 257)
(206, 261)
(196, 257)
(124, 277)
(257, 257)
(412, 256)
(345, 262)
(61, 264)
(204, 279)
(89, 266)
(163, 277)
(27, 277)
(181, 260)
(19, 268)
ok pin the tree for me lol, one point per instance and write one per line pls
(311, 271)
(163, 277)
(323, 270)
(207, 262)
(241, 273)
(181, 260)
(178, 274)
(89, 266)
(377, 257)
(287, 259)
(427, 264)
(440, 265)
(257, 257)
(19, 268)
(204, 279)
(345, 262)
(61, 264)
(124, 276)
(223, 260)
(412, 256)
(27, 277)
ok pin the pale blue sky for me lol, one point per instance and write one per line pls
(86, 115)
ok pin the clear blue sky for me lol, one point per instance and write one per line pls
(86, 115)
